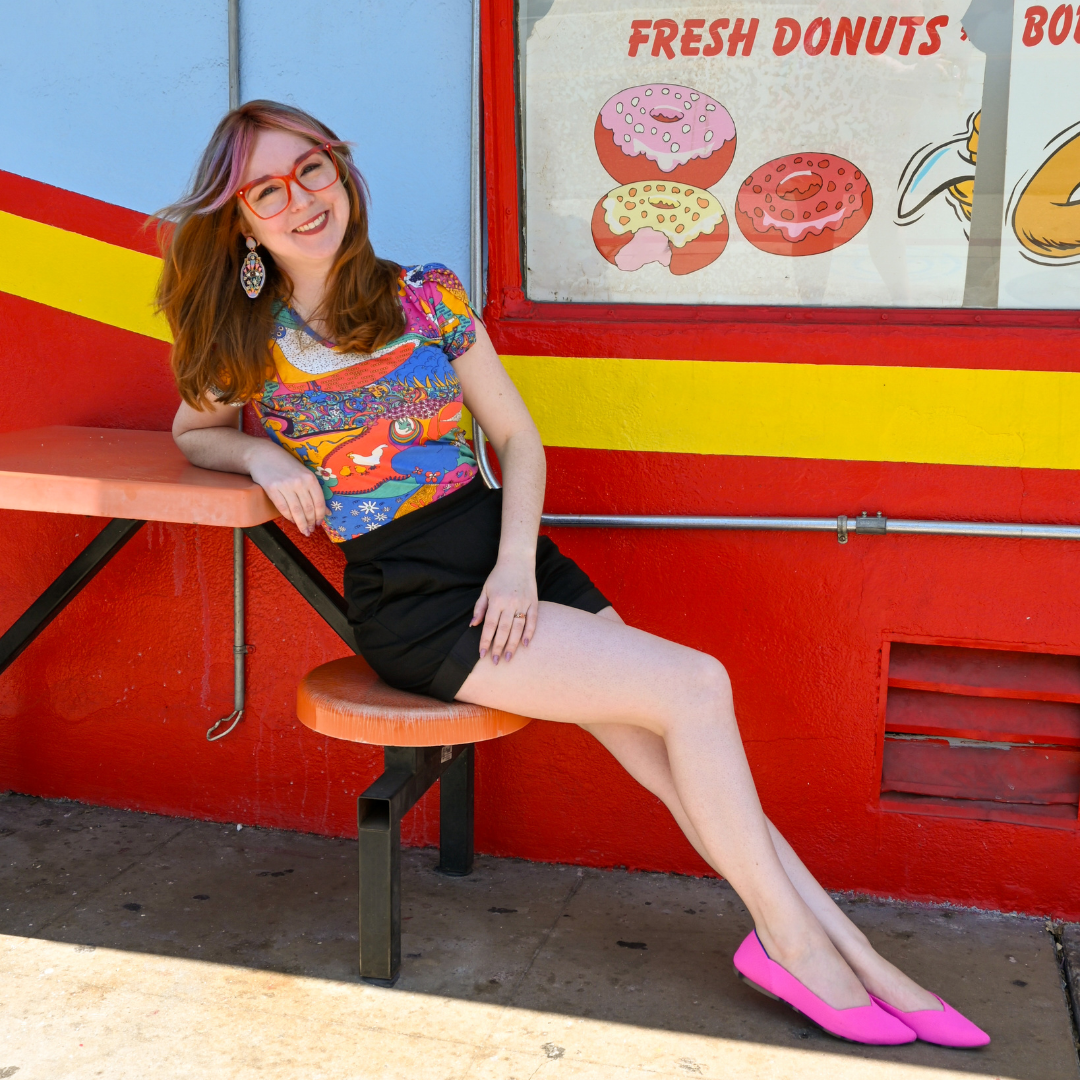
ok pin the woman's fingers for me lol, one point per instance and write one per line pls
(318, 499)
(297, 514)
(517, 631)
(491, 626)
(504, 620)
(530, 624)
(479, 608)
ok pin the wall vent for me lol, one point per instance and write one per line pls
(982, 733)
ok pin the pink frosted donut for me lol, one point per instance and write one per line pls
(661, 131)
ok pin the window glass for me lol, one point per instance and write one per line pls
(834, 152)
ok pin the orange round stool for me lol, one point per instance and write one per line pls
(345, 699)
(423, 740)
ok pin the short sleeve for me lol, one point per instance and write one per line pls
(443, 291)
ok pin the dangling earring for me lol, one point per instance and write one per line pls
(252, 272)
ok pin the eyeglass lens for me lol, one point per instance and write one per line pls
(314, 173)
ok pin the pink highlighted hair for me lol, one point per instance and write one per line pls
(221, 339)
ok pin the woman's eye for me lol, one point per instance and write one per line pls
(264, 192)
(311, 167)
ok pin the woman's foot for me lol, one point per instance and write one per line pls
(868, 1023)
(887, 982)
(813, 959)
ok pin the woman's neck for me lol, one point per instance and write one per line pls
(308, 294)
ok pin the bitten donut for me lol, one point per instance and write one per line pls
(803, 204)
(682, 228)
(664, 132)
(1045, 220)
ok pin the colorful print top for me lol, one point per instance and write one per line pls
(383, 431)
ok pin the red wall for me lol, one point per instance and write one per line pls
(110, 705)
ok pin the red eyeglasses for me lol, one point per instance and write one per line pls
(270, 195)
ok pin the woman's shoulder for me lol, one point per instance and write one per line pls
(432, 278)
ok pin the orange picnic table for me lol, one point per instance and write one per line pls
(133, 477)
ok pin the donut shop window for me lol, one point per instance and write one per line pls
(844, 153)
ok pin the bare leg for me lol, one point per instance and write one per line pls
(644, 757)
(584, 669)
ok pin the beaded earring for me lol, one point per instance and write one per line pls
(252, 272)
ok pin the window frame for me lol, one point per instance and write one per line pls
(847, 335)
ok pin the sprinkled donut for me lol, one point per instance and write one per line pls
(661, 131)
(803, 204)
(1047, 217)
(682, 228)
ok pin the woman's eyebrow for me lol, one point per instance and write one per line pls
(268, 176)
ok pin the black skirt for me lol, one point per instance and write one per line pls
(412, 584)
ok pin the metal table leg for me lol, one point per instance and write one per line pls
(66, 587)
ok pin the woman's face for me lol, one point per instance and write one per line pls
(307, 234)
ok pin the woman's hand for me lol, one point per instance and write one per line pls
(508, 593)
(290, 485)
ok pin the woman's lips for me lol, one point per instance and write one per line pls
(317, 223)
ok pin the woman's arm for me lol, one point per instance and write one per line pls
(493, 399)
(209, 438)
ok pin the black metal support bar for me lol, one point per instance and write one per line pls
(302, 574)
(66, 587)
(409, 772)
(456, 815)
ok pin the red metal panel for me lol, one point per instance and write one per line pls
(989, 719)
(985, 672)
(1020, 774)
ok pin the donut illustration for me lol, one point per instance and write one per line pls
(682, 228)
(661, 131)
(1046, 219)
(803, 204)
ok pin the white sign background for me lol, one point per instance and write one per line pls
(1044, 113)
(876, 111)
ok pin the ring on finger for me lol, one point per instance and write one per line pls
(519, 614)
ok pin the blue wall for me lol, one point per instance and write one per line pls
(393, 77)
(117, 100)
(112, 100)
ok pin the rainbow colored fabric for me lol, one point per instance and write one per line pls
(383, 431)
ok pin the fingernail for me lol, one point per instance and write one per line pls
(494, 658)
(525, 642)
(483, 653)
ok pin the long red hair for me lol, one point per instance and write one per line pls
(221, 339)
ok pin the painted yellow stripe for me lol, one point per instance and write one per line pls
(938, 415)
(75, 273)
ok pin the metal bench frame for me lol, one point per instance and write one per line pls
(409, 771)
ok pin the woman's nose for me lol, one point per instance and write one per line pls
(299, 196)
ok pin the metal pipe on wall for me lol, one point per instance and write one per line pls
(476, 173)
(842, 525)
(234, 54)
(240, 648)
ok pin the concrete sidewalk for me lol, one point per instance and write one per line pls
(135, 946)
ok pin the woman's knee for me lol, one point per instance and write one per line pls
(704, 691)
(710, 678)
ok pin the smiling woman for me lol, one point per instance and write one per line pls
(358, 370)
(220, 337)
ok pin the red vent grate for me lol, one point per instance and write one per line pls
(982, 733)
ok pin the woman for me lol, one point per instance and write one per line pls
(357, 369)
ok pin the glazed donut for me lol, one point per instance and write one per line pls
(803, 204)
(682, 228)
(1047, 217)
(661, 131)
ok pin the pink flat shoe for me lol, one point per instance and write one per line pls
(861, 1024)
(946, 1028)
